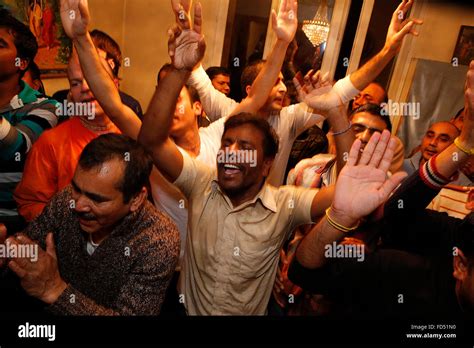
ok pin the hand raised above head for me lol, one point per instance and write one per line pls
(75, 17)
(400, 26)
(186, 43)
(285, 23)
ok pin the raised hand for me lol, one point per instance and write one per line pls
(317, 92)
(362, 185)
(400, 26)
(186, 44)
(75, 17)
(39, 278)
(285, 23)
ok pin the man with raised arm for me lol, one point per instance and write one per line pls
(267, 99)
(237, 222)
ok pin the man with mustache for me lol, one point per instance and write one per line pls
(102, 243)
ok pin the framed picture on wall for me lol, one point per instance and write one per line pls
(464, 51)
(43, 19)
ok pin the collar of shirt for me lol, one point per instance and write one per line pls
(265, 196)
(27, 95)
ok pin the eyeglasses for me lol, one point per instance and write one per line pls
(360, 128)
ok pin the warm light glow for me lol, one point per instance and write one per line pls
(317, 29)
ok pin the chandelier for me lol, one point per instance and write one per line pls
(317, 29)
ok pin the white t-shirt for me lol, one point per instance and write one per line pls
(288, 124)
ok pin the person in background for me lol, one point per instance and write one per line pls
(24, 112)
(33, 78)
(53, 158)
(220, 78)
(109, 50)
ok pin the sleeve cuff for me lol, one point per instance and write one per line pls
(345, 89)
(431, 177)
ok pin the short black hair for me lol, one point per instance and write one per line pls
(375, 110)
(249, 74)
(270, 138)
(213, 71)
(105, 42)
(24, 40)
(138, 163)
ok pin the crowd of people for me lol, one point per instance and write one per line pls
(204, 205)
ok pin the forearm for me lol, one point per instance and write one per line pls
(369, 71)
(452, 159)
(214, 103)
(104, 89)
(9, 139)
(339, 123)
(159, 116)
(311, 250)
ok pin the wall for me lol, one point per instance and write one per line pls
(140, 27)
(436, 43)
(437, 39)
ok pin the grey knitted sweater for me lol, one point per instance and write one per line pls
(126, 275)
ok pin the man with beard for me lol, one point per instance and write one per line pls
(102, 243)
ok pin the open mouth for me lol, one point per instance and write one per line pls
(231, 169)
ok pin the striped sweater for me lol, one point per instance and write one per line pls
(26, 116)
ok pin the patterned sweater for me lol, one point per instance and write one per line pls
(128, 273)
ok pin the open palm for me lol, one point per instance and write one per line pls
(286, 23)
(362, 185)
(186, 43)
(75, 17)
